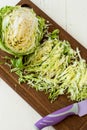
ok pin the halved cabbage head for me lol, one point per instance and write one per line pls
(21, 30)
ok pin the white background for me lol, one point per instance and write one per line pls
(15, 113)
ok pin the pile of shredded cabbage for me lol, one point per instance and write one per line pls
(55, 68)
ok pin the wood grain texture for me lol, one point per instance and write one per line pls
(38, 100)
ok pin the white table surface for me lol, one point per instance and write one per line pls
(15, 113)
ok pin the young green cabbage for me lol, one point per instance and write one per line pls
(20, 30)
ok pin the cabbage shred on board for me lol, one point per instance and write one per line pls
(52, 66)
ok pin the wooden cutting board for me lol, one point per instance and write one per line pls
(39, 100)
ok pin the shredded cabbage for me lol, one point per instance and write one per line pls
(56, 69)
(53, 66)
